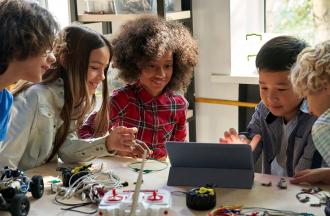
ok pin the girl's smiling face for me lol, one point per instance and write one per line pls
(157, 74)
(98, 62)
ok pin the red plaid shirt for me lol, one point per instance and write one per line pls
(158, 119)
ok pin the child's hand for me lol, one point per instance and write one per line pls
(232, 137)
(144, 146)
(123, 139)
(131, 154)
(321, 175)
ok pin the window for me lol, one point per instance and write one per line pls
(306, 19)
(246, 35)
(59, 9)
(254, 22)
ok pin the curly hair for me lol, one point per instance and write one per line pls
(148, 38)
(26, 30)
(311, 69)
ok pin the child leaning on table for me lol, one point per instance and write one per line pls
(311, 79)
(156, 59)
(46, 116)
(281, 121)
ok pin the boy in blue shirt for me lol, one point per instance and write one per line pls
(280, 128)
(27, 32)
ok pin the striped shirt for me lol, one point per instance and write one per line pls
(158, 119)
(321, 135)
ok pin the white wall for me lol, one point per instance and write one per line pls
(211, 23)
(218, 27)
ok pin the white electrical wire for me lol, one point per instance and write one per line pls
(107, 180)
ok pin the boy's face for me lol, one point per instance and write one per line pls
(319, 102)
(277, 94)
(98, 61)
(157, 74)
(32, 68)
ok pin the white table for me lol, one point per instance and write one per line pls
(258, 196)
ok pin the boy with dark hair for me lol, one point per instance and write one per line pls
(281, 126)
(27, 32)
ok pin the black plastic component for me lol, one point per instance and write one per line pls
(66, 174)
(201, 198)
(69, 176)
(124, 184)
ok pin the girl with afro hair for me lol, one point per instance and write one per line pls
(155, 58)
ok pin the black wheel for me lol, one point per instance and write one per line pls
(37, 186)
(20, 205)
(8, 193)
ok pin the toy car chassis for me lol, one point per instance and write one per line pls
(14, 185)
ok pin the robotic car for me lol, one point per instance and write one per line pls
(13, 188)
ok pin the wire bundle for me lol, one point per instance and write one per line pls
(106, 180)
(93, 185)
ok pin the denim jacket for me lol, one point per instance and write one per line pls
(34, 120)
(301, 152)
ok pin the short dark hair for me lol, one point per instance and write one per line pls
(26, 29)
(147, 38)
(279, 53)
